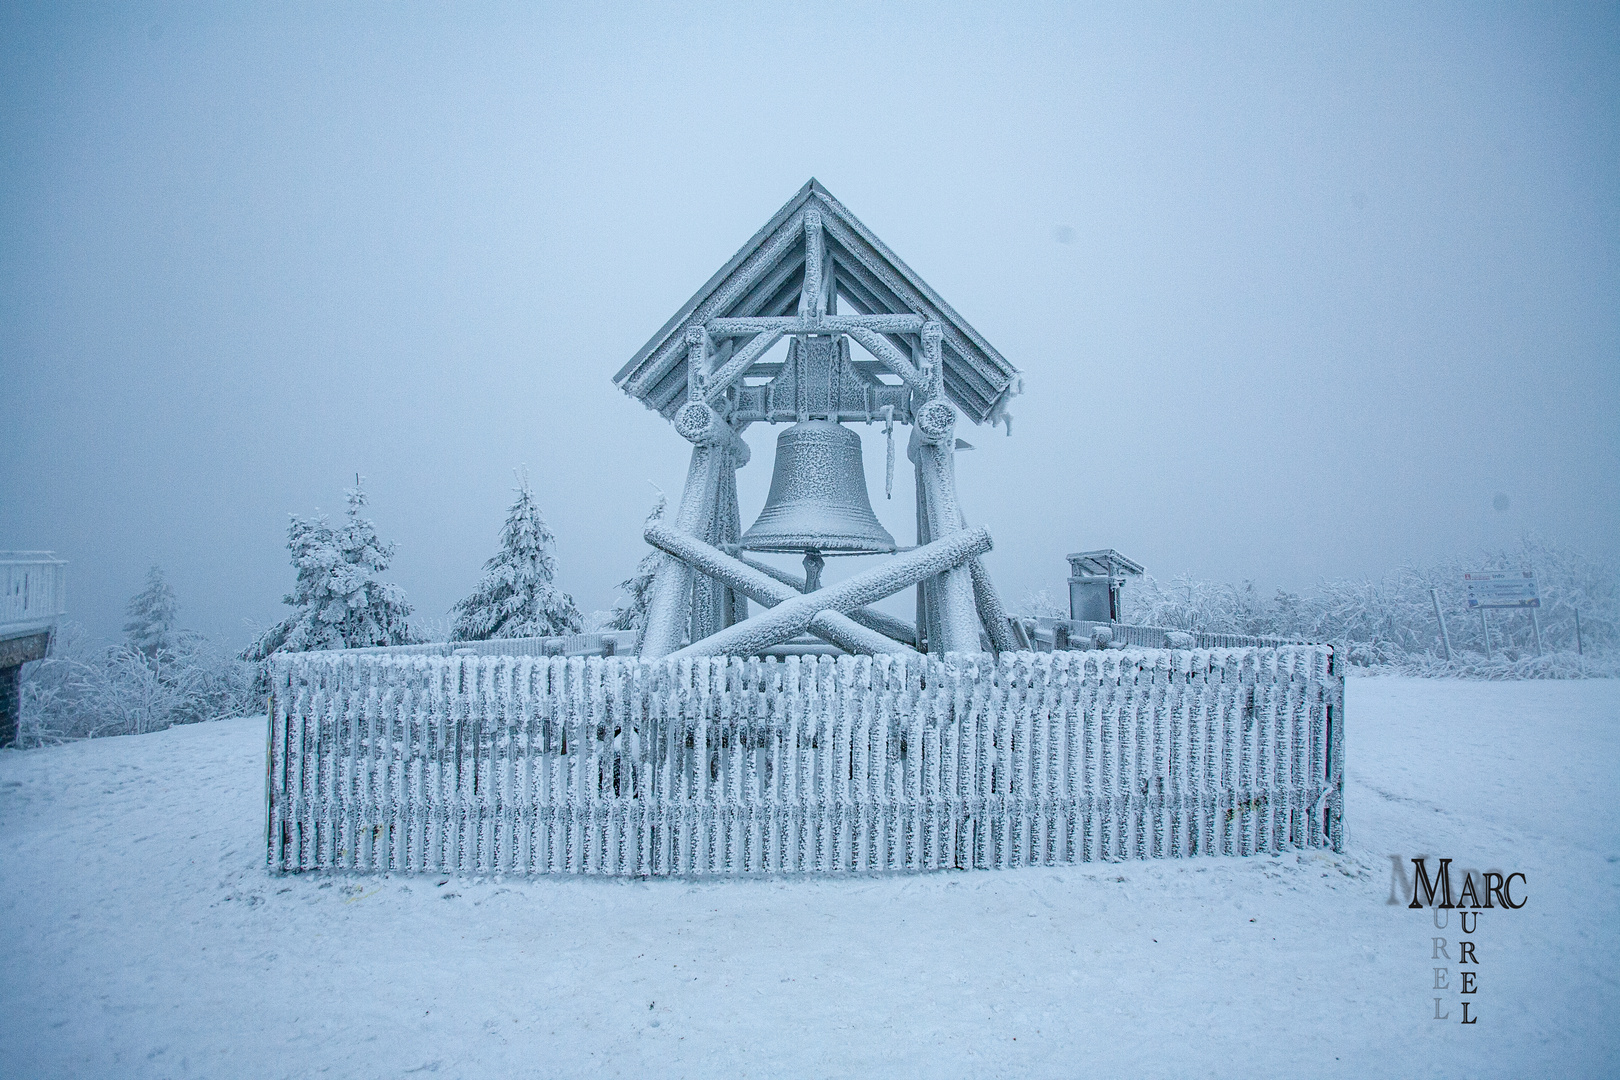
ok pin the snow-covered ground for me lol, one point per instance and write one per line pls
(140, 935)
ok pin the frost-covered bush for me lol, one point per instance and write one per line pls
(1184, 603)
(1390, 622)
(338, 601)
(516, 597)
(1041, 604)
(81, 691)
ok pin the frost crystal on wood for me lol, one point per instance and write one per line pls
(731, 765)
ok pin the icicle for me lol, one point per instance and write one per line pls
(888, 432)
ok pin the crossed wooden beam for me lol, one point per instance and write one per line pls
(827, 612)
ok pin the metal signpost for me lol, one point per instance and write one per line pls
(1445, 636)
(1487, 589)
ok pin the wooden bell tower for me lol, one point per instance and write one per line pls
(815, 275)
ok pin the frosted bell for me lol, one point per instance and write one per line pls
(818, 498)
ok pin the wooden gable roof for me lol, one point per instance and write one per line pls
(766, 278)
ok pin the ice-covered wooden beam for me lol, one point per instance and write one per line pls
(883, 623)
(697, 362)
(991, 611)
(832, 626)
(792, 617)
(723, 290)
(716, 385)
(887, 355)
(825, 324)
(811, 299)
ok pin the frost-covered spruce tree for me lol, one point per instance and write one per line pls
(632, 613)
(516, 597)
(152, 616)
(338, 601)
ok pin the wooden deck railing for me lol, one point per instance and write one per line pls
(33, 591)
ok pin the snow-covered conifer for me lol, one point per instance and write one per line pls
(516, 597)
(152, 614)
(337, 600)
(632, 613)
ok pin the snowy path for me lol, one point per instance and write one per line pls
(143, 937)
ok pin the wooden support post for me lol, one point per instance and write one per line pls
(932, 336)
(714, 605)
(991, 612)
(811, 298)
(697, 362)
(830, 274)
(933, 448)
(10, 703)
(1485, 628)
(733, 604)
(927, 616)
(1535, 624)
(669, 605)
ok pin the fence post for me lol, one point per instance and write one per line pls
(1445, 637)
(1579, 648)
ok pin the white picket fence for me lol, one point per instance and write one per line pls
(725, 765)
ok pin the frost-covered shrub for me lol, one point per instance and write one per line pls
(1601, 663)
(1185, 603)
(432, 628)
(81, 691)
(1040, 604)
(516, 597)
(1390, 622)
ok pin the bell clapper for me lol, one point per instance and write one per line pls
(813, 562)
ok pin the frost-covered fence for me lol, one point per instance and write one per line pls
(726, 765)
(1042, 632)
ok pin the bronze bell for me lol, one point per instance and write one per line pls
(818, 498)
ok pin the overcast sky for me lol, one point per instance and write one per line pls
(1298, 291)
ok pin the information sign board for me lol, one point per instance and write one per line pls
(1501, 589)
